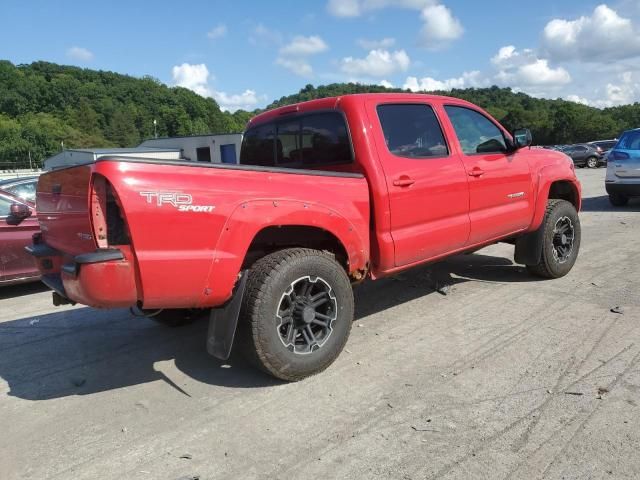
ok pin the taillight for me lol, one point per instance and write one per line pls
(99, 210)
(107, 220)
(616, 155)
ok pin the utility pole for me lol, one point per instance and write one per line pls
(155, 128)
(30, 166)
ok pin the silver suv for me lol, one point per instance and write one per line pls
(623, 169)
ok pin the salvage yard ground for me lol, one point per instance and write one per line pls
(466, 369)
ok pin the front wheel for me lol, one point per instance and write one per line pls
(296, 314)
(561, 240)
(592, 162)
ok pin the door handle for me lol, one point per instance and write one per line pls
(403, 181)
(476, 172)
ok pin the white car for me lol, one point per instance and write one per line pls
(623, 169)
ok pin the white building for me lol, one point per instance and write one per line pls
(202, 148)
(198, 148)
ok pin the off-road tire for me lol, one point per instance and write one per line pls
(618, 200)
(269, 279)
(549, 266)
(592, 162)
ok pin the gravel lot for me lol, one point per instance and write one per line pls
(504, 377)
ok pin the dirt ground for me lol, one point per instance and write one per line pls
(505, 376)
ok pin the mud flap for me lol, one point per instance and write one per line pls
(224, 321)
(529, 247)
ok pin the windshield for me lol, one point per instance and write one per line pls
(629, 141)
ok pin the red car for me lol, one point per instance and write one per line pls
(18, 223)
(328, 193)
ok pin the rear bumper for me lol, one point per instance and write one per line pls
(627, 189)
(102, 279)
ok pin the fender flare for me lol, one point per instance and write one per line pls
(250, 218)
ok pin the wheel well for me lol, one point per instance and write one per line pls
(271, 239)
(564, 190)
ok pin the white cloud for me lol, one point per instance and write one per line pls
(378, 63)
(304, 46)
(218, 31)
(294, 56)
(298, 66)
(385, 83)
(355, 8)
(523, 68)
(263, 36)
(602, 36)
(577, 99)
(247, 100)
(429, 84)
(440, 27)
(80, 54)
(375, 44)
(193, 77)
(196, 78)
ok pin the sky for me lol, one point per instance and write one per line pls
(247, 53)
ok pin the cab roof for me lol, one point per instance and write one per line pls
(331, 103)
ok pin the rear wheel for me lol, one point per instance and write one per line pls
(297, 313)
(592, 162)
(618, 200)
(561, 240)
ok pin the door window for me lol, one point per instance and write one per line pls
(412, 131)
(5, 207)
(476, 133)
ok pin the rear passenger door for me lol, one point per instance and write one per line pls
(427, 186)
(500, 184)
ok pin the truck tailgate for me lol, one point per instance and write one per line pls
(63, 209)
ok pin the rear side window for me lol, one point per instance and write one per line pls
(412, 131)
(476, 133)
(307, 141)
(629, 141)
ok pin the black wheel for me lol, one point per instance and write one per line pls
(175, 317)
(561, 241)
(296, 314)
(592, 162)
(618, 200)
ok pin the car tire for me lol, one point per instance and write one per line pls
(561, 240)
(176, 317)
(281, 330)
(618, 200)
(592, 162)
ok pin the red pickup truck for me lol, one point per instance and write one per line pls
(328, 193)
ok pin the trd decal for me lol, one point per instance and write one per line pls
(181, 201)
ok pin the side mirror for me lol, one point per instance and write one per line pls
(522, 138)
(20, 211)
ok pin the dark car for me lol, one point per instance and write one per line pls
(584, 155)
(22, 187)
(604, 146)
(18, 223)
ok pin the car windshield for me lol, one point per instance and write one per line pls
(629, 141)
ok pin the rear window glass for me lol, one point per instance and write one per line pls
(629, 141)
(308, 141)
(412, 130)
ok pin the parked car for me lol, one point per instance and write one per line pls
(603, 146)
(585, 155)
(22, 187)
(623, 169)
(328, 193)
(18, 223)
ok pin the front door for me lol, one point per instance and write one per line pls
(500, 184)
(15, 262)
(427, 185)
